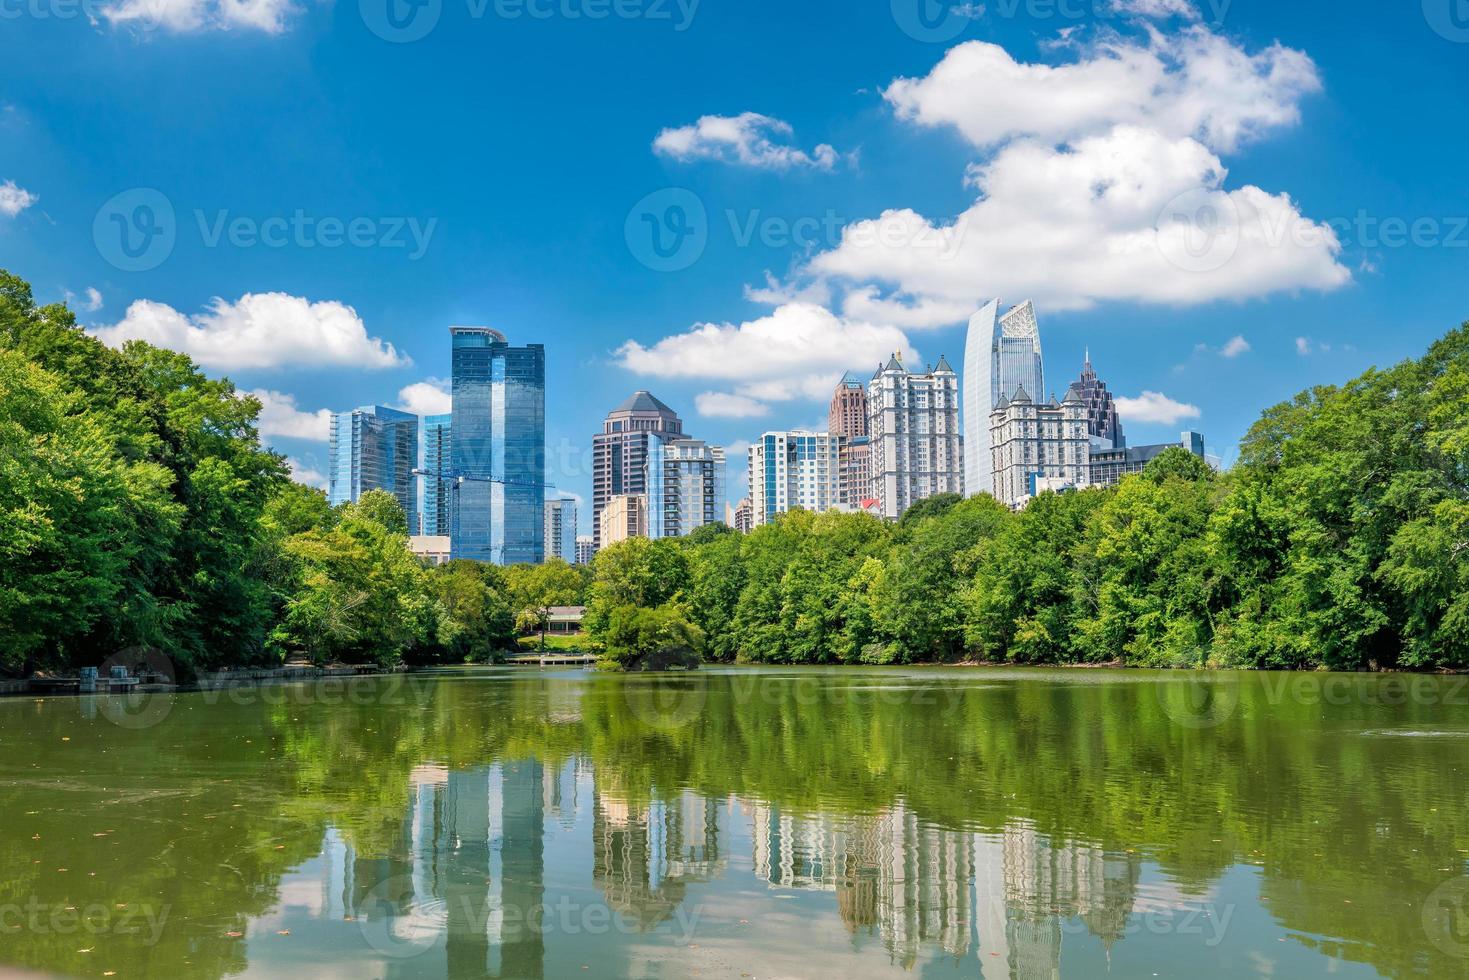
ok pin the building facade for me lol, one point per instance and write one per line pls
(624, 516)
(498, 453)
(1038, 446)
(1109, 466)
(437, 465)
(847, 420)
(916, 447)
(374, 448)
(685, 486)
(586, 549)
(561, 529)
(1001, 354)
(793, 469)
(740, 516)
(620, 450)
(1103, 424)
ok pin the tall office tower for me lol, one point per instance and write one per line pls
(620, 450)
(375, 448)
(685, 482)
(847, 419)
(1103, 424)
(586, 549)
(793, 469)
(913, 421)
(1000, 355)
(498, 472)
(625, 516)
(561, 529)
(1038, 446)
(437, 463)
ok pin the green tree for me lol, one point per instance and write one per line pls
(657, 638)
(534, 589)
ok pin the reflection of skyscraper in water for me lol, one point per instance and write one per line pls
(1048, 881)
(646, 854)
(559, 797)
(908, 881)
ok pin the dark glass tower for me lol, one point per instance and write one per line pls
(1102, 420)
(437, 443)
(498, 454)
(374, 448)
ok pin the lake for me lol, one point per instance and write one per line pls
(744, 822)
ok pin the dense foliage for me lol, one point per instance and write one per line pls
(138, 509)
(1340, 540)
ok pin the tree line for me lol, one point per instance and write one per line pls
(139, 509)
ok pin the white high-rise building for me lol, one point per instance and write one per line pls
(913, 424)
(685, 482)
(1037, 446)
(1001, 354)
(793, 469)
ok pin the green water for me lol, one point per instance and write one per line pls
(772, 823)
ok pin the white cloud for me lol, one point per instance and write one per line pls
(432, 396)
(1303, 346)
(1158, 9)
(14, 199)
(306, 475)
(798, 350)
(260, 330)
(89, 302)
(280, 416)
(864, 303)
(1192, 83)
(777, 293)
(188, 16)
(1131, 216)
(725, 405)
(1235, 347)
(749, 139)
(1155, 408)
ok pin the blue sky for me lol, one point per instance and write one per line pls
(1228, 202)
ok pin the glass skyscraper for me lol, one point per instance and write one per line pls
(498, 453)
(1002, 354)
(374, 448)
(561, 529)
(437, 443)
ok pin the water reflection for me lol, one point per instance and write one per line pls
(996, 824)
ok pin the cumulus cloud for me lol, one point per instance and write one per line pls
(1158, 9)
(749, 139)
(90, 301)
(14, 199)
(798, 350)
(189, 16)
(281, 416)
(1192, 83)
(1155, 408)
(258, 331)
(432, 396)
(1235, 347)
(304, 474)
(1131, 215)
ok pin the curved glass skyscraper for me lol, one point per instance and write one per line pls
(498, 456)
(1001, 354)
